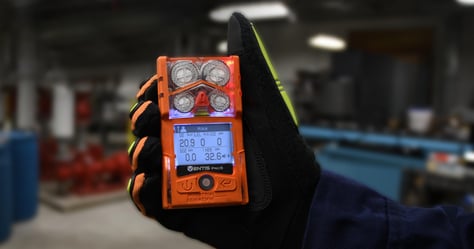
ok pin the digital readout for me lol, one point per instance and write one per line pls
(203, 144)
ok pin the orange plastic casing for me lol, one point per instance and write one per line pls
(221, 188)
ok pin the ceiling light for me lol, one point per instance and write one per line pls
(252, 11)
(469, 156)
(466, 2)
(327, 42)
(222, 47)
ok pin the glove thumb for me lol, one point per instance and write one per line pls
(256, 68)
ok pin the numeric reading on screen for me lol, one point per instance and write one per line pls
(203, 144)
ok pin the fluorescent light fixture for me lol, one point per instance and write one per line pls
(469, 156)
(327, 42)
(466, 2)
(252, 11)
(222, 47)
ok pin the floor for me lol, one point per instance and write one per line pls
(114, 225)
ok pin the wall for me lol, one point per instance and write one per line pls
(286, 59)
(453, 78)
(455, 94)
(463, 89)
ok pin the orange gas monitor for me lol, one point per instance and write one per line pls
(201, 117)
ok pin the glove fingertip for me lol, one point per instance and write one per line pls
(137, 112)
(135, 191)
(234, 39)
(148, 90)
(145, 120)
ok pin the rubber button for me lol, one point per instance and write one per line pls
(187, 185)
(226, 184)
(206, 182)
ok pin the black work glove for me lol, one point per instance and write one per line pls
(281, 168)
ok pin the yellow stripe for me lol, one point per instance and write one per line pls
(131, 146)
(130, 136)
(287, 100)
(265, 54)
(133, 107)
(129, 184)
(283, 93)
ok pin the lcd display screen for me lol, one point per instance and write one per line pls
(203, 147)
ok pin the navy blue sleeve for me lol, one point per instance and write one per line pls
(345, 214)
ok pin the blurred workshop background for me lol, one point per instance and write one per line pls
(384, 91)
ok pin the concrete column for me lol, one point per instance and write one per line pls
(62, 121)
(26, 71)
(62, 126)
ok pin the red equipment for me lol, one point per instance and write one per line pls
(91, 173)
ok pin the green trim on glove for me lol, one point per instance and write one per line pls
(129, 184)
(283, 93)
(131, 146)
(133, 107)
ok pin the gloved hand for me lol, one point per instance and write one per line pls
(281, 168)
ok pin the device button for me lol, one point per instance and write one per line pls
(187, 185)
(226, 184)
(206, 182)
